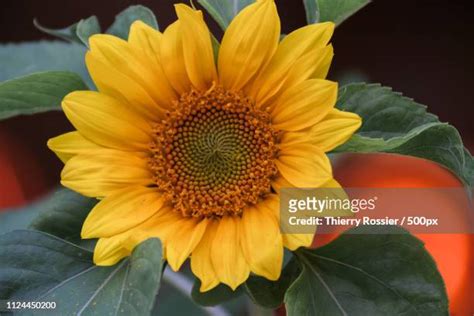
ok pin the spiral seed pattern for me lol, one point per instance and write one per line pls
(214, 155)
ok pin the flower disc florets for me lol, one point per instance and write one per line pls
(214, 154)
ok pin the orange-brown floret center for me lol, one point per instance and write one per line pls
(214, 154)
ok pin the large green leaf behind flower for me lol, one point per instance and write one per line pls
(49, 269)
(29, 57)
(36, 93)
(224, 11)
(80, 32)
(60, 213)
(366, 271)
(336, 11)
(77, 33)
(377, 274)
(124, 20)
(392, 123)
(316, 10)
(35, 76)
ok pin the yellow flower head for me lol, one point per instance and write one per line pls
(194, 153)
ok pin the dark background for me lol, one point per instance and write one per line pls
(423, 48)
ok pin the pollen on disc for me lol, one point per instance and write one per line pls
(214, 154)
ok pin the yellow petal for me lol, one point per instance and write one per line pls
(290, 241)
(304, 105)
(162, 224)
(304, 165)
(184, 240)
(120, 71)
(103, 171)
(299, 54)
(122, 211)
(335, 129)
(201, 264)
(295, 241)
(281, 183)
(146, 41)
(197, 47)
(106, 121)
(334, 191)
(303, 41)
(248, 44)
(68, 145)
(109, 251)
(172, 58)
(313, 65)
(289, 139)
(308, 45)
(226, 254)
(261, 241)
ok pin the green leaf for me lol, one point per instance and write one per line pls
(218, 295)
(270, 294)
(67, 33)
(393, 123)
(86, 28)
(123, 21)
(175, 297)
(63, 214)
(171, 301)
(387, 272)
(36, 93)
(14, 219)
(25, 58)
(224, 11)
(215, 47)
(336, 11)
(39, 267)
(312, 11)
(77, 33)
(469, 165)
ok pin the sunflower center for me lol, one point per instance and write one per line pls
(214, 154)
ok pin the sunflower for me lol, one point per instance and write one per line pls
(192, 148)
